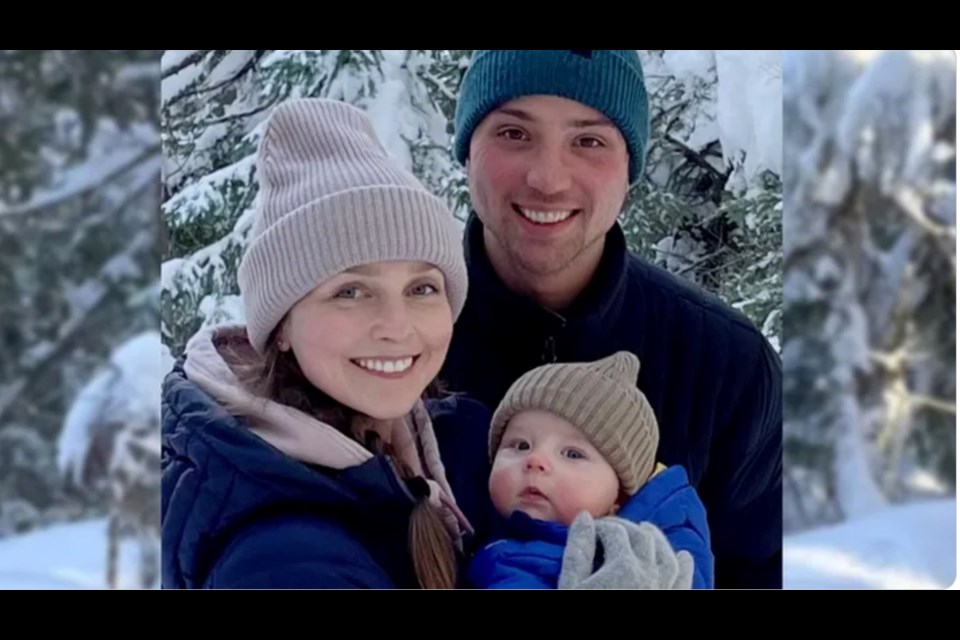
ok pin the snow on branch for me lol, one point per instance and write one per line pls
(87, 177)
(172, 69)
(232, 77)
(911, 204)
(73, 329)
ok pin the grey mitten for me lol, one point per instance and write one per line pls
(635, 557)
(674, 570)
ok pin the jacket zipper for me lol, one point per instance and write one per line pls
(548, 355)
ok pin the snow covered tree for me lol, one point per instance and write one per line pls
(870, 278)
(109, 446)
(709, 207)
(79, 218)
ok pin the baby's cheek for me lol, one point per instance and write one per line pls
(567, 503)
(575, 495)
(500, 489)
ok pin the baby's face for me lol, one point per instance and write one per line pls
(546, 468)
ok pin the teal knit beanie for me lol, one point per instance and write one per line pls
(610, 81)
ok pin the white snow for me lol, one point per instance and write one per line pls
(137, 71)
(386, 110)
(739, 96)
(36, 353)
(129, 386)
(81, 178)
(230, 65)
(892, 109)
(168, 272)
(750, 109)
(857, 491)
(174, 85)
(193, 267)
(84, 411)
(172, 57)
(690, 65)
(208, 190)
(67, 556)
(219, 310)
(909, 546)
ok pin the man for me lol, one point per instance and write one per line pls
(551, 141)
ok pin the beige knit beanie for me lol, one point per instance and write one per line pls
(599, 398)
(330, 199)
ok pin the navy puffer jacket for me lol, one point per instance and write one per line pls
(238, 513)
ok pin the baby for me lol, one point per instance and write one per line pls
(570, 438)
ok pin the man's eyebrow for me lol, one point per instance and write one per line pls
(516, 113)
(579, 123)
(593, 122)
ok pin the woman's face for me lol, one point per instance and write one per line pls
(373, 337)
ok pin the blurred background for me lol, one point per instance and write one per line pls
(126, 194)
(80, 358)
(869, 332)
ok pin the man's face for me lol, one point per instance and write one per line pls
(548, 177)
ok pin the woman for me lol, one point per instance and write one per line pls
(298, 448)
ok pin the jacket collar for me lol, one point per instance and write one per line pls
(307, 439)
(594, 310)
(520, 526)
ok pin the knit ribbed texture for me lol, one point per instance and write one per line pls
(610, 81)
(599, 398)
(331, 199)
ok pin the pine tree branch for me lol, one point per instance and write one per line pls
(694, 157)
(725, 265)
(48, 203)
(149, 181)
(438, 83)
(696, 263)
(223, 120)
(239, 116)
(678, 106)
(193, 58)
(248, 66)
(71, 334)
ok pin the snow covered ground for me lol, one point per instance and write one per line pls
(903, 547)
(911, 546)
(69, 556)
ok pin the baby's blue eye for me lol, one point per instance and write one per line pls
(574, 454)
